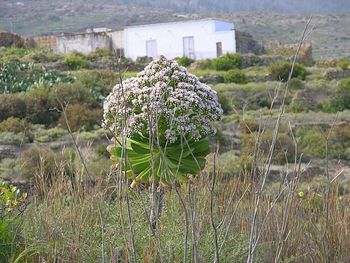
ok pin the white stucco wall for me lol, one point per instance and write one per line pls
(117, 39)
(84, 43)
(169, 38)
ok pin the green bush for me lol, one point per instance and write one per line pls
(184, 61)
(202, 64)
(15, 125)
(49, 135)
(341, 99)
(10, 169)
(344, 63)
(98, 82)
(17, 51)
(228, 61)
(235, 76)
(10, 138)
(76, 61)
(43, 55)
(296, 107)
(296, 84)
(280, 71)
(71, 93)
(12, 105)
(40, 108)
(100, 53)
(224, 102)
(312, 142)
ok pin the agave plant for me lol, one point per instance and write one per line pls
(166, 115)
(168, 165)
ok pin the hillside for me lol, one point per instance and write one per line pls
(215, 6)
(330, 37)
(77, 192)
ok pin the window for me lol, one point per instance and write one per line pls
(151, 49)
(218, 49)
(188, 46)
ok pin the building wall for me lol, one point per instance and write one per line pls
(169, 38)
(46, 42)
(84, 43)
(117, 39)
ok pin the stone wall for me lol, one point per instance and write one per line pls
(250, 60)
(305, 53)
(11, 40)
(46, 42)
(117, 38)
(336, 73)
(245, 43)
(83, 42)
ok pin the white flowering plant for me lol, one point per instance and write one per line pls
(167, 115)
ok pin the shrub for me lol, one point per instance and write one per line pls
(344, 63)
(49, 135)
(311, 142)
(228, 61)
(76, 61)
(184, 61)
(341, 100)
(99, 53)
(47, 163)
(71, 93)
(280, 71)
(80, 116)
(101, 150)
(12, 105)
(17, 51)
(98, 82)
(248, 127)
(10, 169)
(40, 107)
(43, 56)
(15, 125)
(10, 138)
(296, 84)
(235, 76)
(202, 64)
(224, 102)
(296, 107)
(284, 148)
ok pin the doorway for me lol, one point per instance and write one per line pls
(151, 49)
(218, 49)
(188, 47)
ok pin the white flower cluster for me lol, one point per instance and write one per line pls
(165, 98)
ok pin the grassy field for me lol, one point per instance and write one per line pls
(288, 204)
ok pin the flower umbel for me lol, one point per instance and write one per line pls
(165, 100)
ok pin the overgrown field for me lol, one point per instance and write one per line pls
(276, 187)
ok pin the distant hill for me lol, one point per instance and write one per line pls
(331, 37)
(223, 6)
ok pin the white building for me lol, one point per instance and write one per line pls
(198, 39)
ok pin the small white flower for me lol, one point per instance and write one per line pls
(166, 95)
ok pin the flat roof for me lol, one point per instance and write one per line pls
(179, 22)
